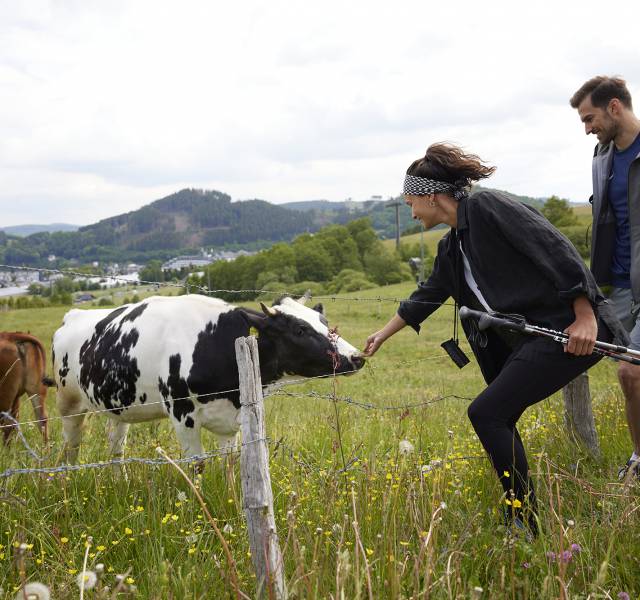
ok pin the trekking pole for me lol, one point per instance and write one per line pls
(518, 323)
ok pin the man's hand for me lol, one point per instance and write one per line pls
(583, 332)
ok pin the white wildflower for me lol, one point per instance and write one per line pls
(405, 447)
(228, 528)
(443, 505)
(88, 579)
(571, 523)
(34, 591)
(182, 497)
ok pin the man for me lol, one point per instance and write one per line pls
(605, 108)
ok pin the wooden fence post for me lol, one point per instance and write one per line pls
(255, 476)
(578, 416)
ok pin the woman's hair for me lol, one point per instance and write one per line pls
(448, 163)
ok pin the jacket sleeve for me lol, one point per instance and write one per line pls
(430, 293)
(552, 253)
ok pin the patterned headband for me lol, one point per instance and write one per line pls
(420, 186)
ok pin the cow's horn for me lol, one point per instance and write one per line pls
(270, 312)
(303, 299)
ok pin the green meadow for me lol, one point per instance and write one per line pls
(359, 514)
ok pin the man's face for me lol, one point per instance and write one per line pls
(598, 121)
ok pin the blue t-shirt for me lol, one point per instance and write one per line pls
(618, 199)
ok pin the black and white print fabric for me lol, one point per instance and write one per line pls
(420, 186)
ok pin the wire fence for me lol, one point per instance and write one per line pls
(270, 390)
(191, 287)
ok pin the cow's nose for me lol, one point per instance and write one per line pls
(358, 361)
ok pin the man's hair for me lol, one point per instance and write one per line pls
(602, 90)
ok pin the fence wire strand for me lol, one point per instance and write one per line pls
(208, 292)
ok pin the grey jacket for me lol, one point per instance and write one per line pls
(603, 236)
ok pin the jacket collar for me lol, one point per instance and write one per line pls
(463, 223)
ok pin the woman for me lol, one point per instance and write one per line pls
(504, 256)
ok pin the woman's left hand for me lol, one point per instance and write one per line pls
(583, 332)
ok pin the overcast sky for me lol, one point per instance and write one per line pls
(110, 105)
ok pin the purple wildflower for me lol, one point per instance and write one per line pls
(623, 596)
(576, 549)
(566, 556)
(551, 556)
(526, 565)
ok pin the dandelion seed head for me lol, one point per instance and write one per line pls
(88, 578)
(405, 447)
(34, 591)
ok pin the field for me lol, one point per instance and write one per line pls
(421, 524)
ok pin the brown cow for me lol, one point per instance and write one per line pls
(22, 370)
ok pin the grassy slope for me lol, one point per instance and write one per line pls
(170, 550)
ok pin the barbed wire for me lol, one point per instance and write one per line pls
(269, 390)
(368, 405)
(126, 461)
(208, 292)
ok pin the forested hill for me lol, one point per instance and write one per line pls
(192, 219)
(196, 218)
(185, 221)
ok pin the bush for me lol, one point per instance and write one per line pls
(349, 280)
(105, 301)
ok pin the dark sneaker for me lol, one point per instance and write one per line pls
(630, 471)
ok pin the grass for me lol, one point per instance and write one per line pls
(428, 521)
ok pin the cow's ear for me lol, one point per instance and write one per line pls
(319, 308)
(255, 320)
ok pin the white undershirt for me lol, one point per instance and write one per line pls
(471, 282)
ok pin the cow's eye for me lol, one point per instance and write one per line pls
(299, 331)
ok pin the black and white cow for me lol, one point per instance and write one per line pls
(175, 357)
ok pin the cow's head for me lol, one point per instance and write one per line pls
(304, 343)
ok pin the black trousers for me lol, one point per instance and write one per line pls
(533, 371)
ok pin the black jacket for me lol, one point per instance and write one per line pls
(522, 265)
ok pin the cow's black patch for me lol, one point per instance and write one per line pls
(105, 363)
(189, 422)
(214, 370)
(177, 388)
(64, 370)
(135, 313)
(143, 398)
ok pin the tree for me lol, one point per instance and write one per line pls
(384, 266)
(559, 212)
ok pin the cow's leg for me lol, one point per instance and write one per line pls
(73, 416)
(39, 410)
(189, 439)
(117, 440)
(227, 443)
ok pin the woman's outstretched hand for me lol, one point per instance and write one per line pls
(374, 341)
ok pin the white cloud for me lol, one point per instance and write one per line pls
(109, 106)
